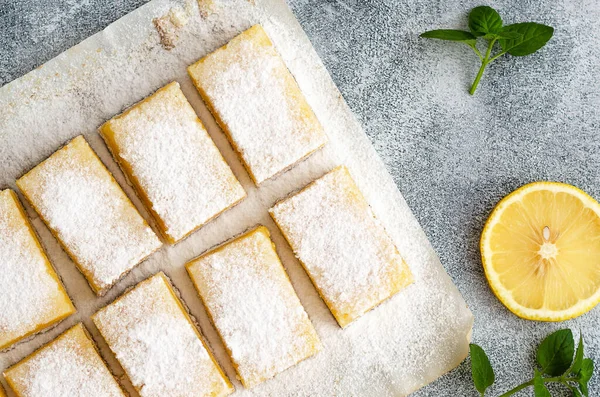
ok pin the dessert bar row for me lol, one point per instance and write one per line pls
(181, 177)
(174, 166)
(244, 288)
(247, 294)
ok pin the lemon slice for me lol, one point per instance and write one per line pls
(541, 251)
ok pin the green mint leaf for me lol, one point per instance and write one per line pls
(450, 35)
(576, 392)
(539, 388)
(555, 353)
(585, 374)
(577, 363)
(484, 20)
(586, 371)
(583, 387)
(481, 369)
(504, 35)
(533, 37)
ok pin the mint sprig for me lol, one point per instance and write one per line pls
(519, 39)
(556, 365)
(481, 369)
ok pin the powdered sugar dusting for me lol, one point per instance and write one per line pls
(258, 101)
(30, 294)
(254, 307)
(157, 345)
(174, 161)
(92, 217)
(345, 250)
(68, 366)
(404, 343)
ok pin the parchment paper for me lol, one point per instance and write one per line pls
(398, 347)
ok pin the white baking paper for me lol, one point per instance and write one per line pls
(405, 343)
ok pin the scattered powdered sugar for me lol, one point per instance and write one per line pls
(403, 344)
(29, 293)
(76, 195)
(167, 350)
(254, 307)
(157, 345)
(176, 163)
(68, 366)
(347, 253)
(254, 95)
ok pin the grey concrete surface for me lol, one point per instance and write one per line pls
(453, 156)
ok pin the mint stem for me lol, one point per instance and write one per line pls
(517, 389)
(484, 62)
(476, 82)
(559, 379)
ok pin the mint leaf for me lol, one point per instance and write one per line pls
(585, 374)
(481, 369)
(577, 363)
(583, 387)
(449, 34)
(555, 353)
(586, 371)
(504, 35)
(533, 37)
(539, 388)
(484, 20)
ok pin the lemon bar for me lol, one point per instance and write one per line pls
(254, 307)
(346, 252)
(32, 297)
(172, 162)
(257, 102)
(157, 344)
(68, 366)
(89, 214)
(2, 394)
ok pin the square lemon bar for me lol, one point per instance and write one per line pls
(258, 104)
(172, 162)
(93, 219)
(68, 366)
(32, 297)
(254, 307)
(157, 344)
(346, 252)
